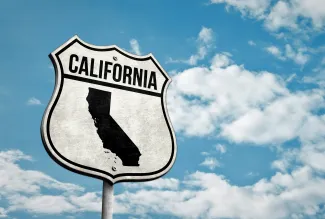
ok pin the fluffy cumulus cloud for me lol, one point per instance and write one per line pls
(221, 60)
(291, 14)
(288, 14)
(281, 15)
(201, 99)
(281, 120)
(207, 195)
(39, 194)
(228, 100)
(199, 195)
(24, 189)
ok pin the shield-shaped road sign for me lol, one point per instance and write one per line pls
(107, 117)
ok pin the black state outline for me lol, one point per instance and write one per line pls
(90, 168)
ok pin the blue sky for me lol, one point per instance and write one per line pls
(246, 102)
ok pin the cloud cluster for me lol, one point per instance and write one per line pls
(254, 8)
(299, 56)
(240, 105)
(207, 195)
(25, 189)
(39, 194)
(199, 195)
(229, 101)
(291, 14)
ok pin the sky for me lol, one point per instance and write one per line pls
(246, 102)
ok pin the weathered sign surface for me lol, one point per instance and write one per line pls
(108, 117)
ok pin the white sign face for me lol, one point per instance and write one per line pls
(108, 117)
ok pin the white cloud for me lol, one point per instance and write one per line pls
(221, 60)
(318, 79)
(221, 94)
(281, 15)
(211, 163)
(135, 46)
(24, 189)
(251, 43)
(281, 120)
(299, 56)
(287, 158)
(90, 201)
(26, 181)
(33, 191)
(41, 204)
(221, 148)
(207, 195)
(161, 183)
(206, 35)
(275, 51)
(204, 153)
(205, 42)
(34, 101)
(239, 105)
(254, 8)
(290, 14)
(3, 213)
(201, 195)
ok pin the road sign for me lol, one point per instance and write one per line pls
(108, 117)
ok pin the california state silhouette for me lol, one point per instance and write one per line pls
(108, 130)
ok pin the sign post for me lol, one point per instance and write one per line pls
(107, 117)
(107, 202)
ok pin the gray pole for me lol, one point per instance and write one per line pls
(107, 202)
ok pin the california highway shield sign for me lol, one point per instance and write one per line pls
(107, 117)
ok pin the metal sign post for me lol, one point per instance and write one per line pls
(107, 117)
(107, 202)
